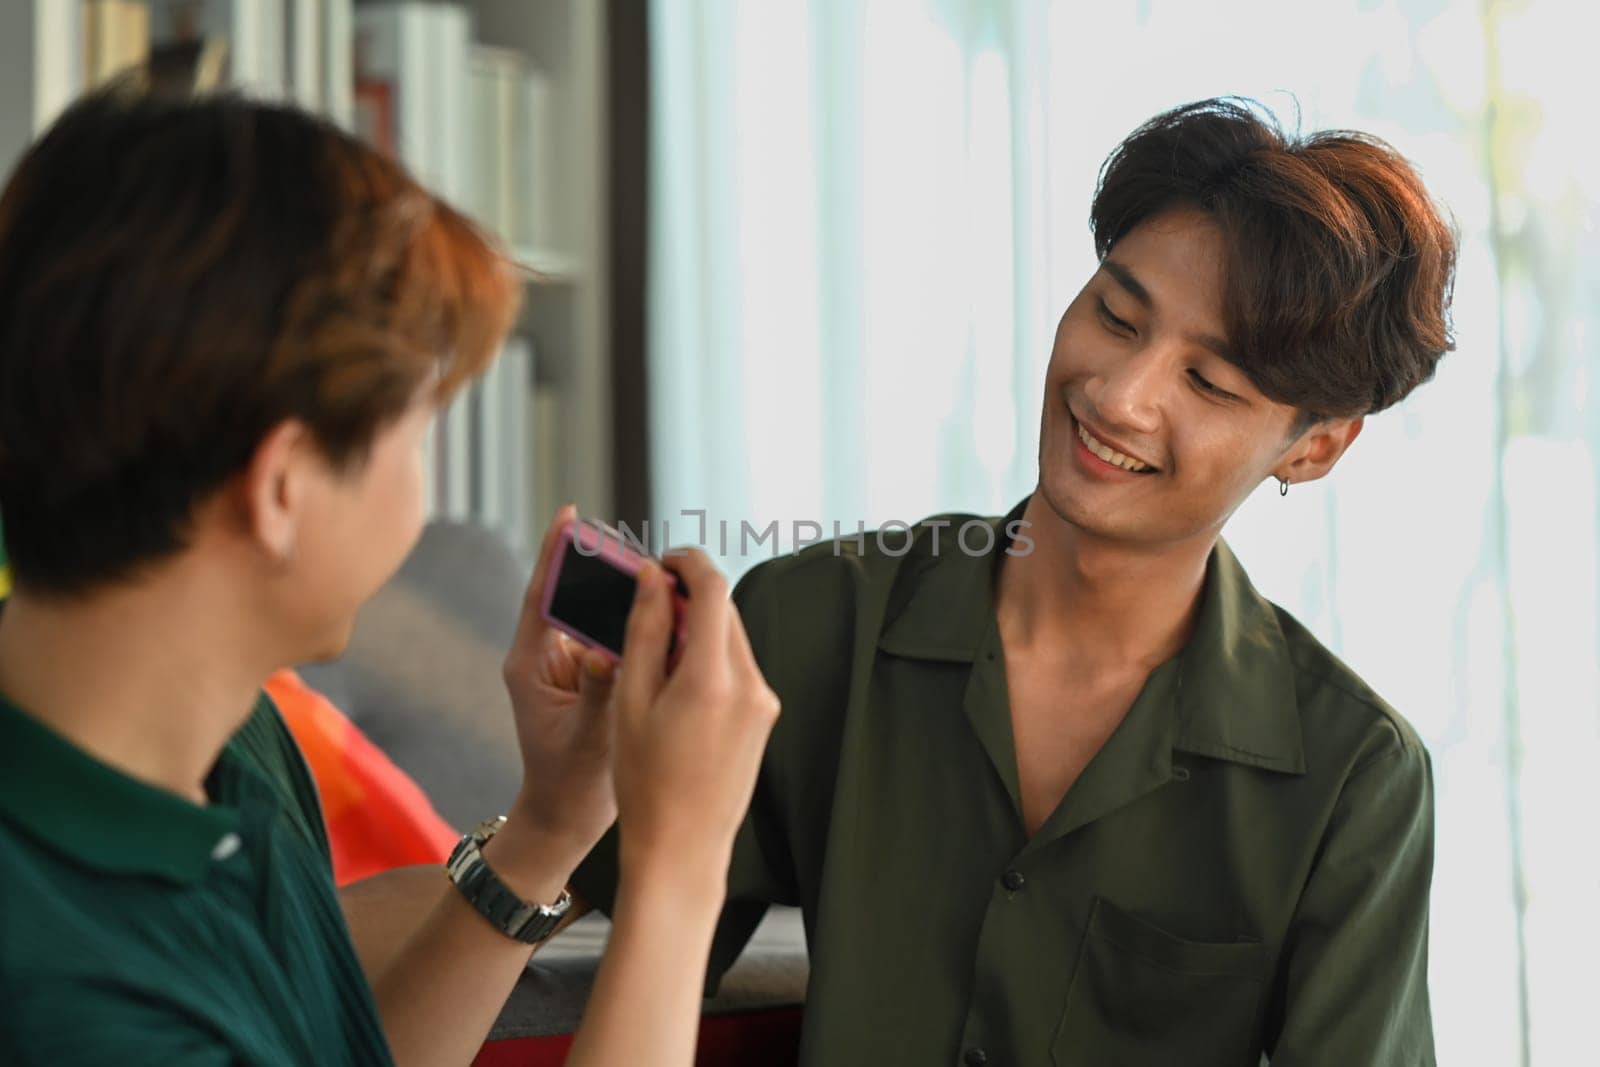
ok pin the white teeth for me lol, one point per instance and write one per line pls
(1110, 455)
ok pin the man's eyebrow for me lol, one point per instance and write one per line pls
(1125, 278)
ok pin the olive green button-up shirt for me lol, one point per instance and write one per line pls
(139, 928)
(1243, 869)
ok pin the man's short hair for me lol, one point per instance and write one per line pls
(178, 276)
(1339, 267)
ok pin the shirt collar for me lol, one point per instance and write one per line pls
(1235, 692)
(1236, 689)
(99, 817)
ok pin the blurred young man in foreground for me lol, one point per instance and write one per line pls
(224, 329)
(1088, 798)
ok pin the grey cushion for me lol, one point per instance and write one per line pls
(421, 676)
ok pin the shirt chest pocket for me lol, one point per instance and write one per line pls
(1140, 995)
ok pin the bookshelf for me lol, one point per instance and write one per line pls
(537, 430)
(566, 313)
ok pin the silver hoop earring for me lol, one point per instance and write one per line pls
(1283, 487)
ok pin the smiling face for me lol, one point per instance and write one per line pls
(1149, 434)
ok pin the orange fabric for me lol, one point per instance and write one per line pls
(377, 816)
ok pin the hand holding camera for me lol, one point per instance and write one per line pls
(637, 697)
(688, 745)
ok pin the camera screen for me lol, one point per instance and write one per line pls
(593, 597)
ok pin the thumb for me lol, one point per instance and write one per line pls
(597, 676)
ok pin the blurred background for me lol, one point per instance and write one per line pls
(801, 261)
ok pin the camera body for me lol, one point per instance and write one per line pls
(590, 588)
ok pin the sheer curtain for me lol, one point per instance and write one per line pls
(870, 213)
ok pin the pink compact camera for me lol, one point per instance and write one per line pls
(589, 590)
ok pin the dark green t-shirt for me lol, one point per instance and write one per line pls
(139, 928)
(1242, 869)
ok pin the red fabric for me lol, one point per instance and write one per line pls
(377, 816)
(768, 1038)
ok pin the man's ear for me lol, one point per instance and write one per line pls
(272, 487)
(1317, 450)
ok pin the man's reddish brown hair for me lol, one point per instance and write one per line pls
(177, 277)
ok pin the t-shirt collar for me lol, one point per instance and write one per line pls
(99, 817)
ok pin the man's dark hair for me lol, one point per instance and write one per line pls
(1339, 267)
(178, 276)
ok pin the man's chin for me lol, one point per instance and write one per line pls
(331, 645)
(1062, 500)
(1064, 497)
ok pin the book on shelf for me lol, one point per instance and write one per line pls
(59, 53)
(533, 220)
(296, 50)
(338, 61)
(116, 37)
(516, 400)
(303, 31)
(453, 457)
(482, 449)
(496, 77)
(502, 442)
(257, 59)
(182, 67)
(411, 88)
(319, 73)
(473, 122)
(544, 452)
(511, 187)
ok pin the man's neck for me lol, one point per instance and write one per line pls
(151, 679)
(1094, 606)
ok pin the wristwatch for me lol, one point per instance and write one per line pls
(510, 914)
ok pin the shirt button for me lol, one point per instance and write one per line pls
(1013, 880)
(226, 846)
(975, 1057)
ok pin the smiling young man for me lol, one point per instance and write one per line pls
(1088, 798)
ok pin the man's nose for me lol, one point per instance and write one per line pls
(1129, 391)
